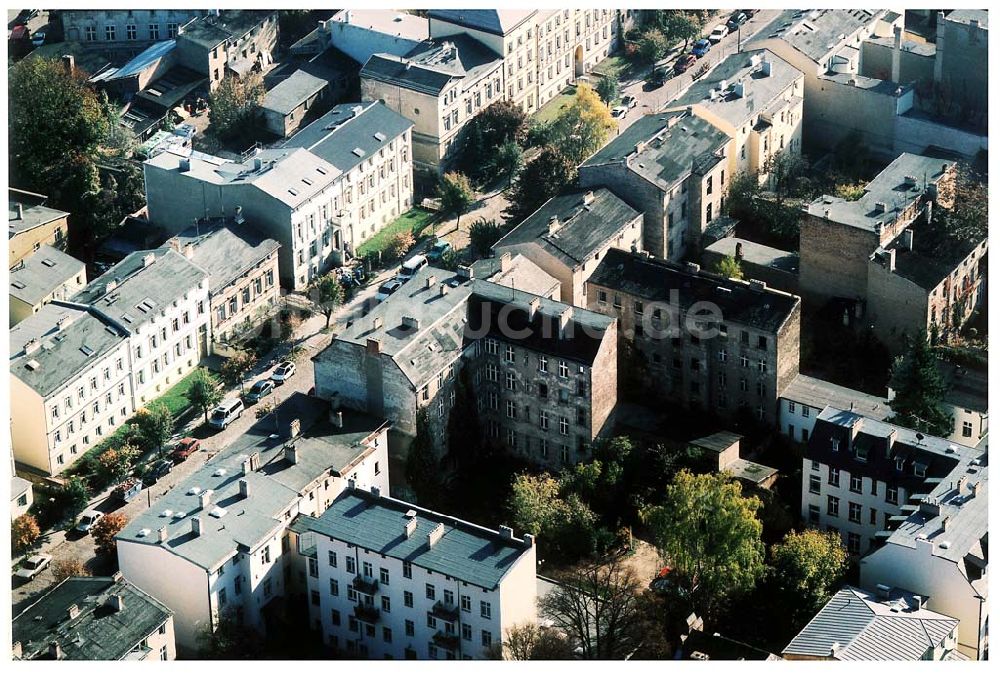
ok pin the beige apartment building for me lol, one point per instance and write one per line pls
(47, 275)
(31, 225)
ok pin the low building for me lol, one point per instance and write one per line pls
(805, 397)
(218, 541)
(228, 42)
(671, 167)
(95, 618)
(393, 580)
(46, 275)
(777, 268)
(892, 624)
(21, 495)
(708, 343)
(31, 224)
(243, 274)
(568, 235)
(518, 272)
(722, 454)
(966, 400)
(286, 105)
(940, 550)
(860, 474)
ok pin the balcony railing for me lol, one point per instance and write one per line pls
(449, 641)
(445, 611)
(366, 585)
(367, 613)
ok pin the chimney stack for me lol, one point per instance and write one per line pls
(373, 346)
(945, 522)
(897, 48)
(244, 488)
(376, 491)
(148, 260)
(20, 211)
(291, 454)
(238, 215)
(293, 428)
(73, 611)
(506, 532)
(553, 224)
(411, 523)
(337, 418)
(184, 164)
(69, 63)
(247, 466)
(588, 197)
(505, 260)
(739, 251)
(692, 268)
(31, 346)
(55, 651)
(564, 320)
(435, 535)
(161, 535)
(116, 602)
(189, 250)
(431, 281)
(529, 540)
(205, 499)
(17, 650)
(533, 306)
(196, 525)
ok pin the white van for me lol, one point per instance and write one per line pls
(225, 413)
(412, 265)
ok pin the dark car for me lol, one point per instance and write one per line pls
(629, 101)
(685, 62)
(736, 20)
(749, 12)
(387, 289)
(157, 471)
(438, 251)
(701, 48)
(260, 389)
(184, 448)
(657, 77)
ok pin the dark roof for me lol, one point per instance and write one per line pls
(33, 211)
(99, 631)
(168, 90)
(225, 249)
(718, 442)
(934, 255)
(703, 646)
(211, 30)
(350, 127)
(584, 227)
(495, 21)
(671, 147)
(293, 91)
(433, 64)
(655, 280)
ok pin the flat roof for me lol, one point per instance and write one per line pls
(292, 92)
(817, 33)
(521, 273)
(758, 254)
(226, 249)
(495, 21)
(966, 16)
(387, 21)
(434, 64)
(41, 273)
(33, 212)
(210, 30)
(818, 394)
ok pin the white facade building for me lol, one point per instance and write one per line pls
(805, 397)
(388, 579)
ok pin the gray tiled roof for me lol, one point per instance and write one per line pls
(816, 32)
(42, 273)
(209, 31)
(349, 127)
(654, 280)
(758, 254)
(467, 552)
(819, 394)
(521, 273)
(433, 64)
(584, 227)
(856, 625)
(226, 250)
(495, 21)
(98, 632)
(292, 92)
(673, 145)
(33, 213)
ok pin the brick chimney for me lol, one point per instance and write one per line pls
(435, 535)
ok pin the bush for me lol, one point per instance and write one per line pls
(483, 235)
(71, 567)
(399, 245)
(24, 531)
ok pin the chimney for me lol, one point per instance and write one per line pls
(247, 466)
(31, 346)
(20, 211)
(17, 650)
(506, 532)
(337, 418)
(184, 164)
(376, 323)
(834, 647)
(205, 499)
(738, 90)
(435, 535)
(411, 523)
(692, 268)
(533, 306)
(55, 651)
(909, 181)
(376, 491)
(739, 251)
(758, 285)
(73, 611)
(765, 68)
(350, 484)
(161, 535)
(466, 272)
(908, 238)
(116, 603)
(880, 207)
(564, 319)
(431, 281)
(963, 487)
(148, 260)
(110, 286)
(529, 540)
(373, 346)
(189, 250)
(238, 215)
(588, 197)
(891, 260)
(62, 323)
(411, 322)
(257, 163)
(897, 48)
(505, 259)
(553, 224)
(945, 521)
(69, 63)
(443, 289)
(923, 545)
(294, 426)
(291, 454)
(244, 488)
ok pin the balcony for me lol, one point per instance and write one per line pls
(447, 641)
(445, 611)
(366, 613)
(365, 585)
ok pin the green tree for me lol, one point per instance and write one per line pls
(965, 223)
(567, 528)
(237, 366)
(483, 234)
(653, 44)
(678, 25)
(542, 179)
(229, 639)
(583, 126)
(729, 267)
(24, 531)
(709, 534)
(742, 194)
(456, 194)
(155, 424)
(234, 105)
(204, 391)
(507, 161)
(423, 467)
(327, 293)
(608, 89)
(74, 496)
(498, 124)
(806, 567)
(919, 390)
(104, 533)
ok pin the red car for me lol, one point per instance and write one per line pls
(184, 448)
(684, 63)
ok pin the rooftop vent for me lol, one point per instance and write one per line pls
(380, 137)
(359, 152)
(32, 365)
(218, 512)
(48, 262)
(435, 535)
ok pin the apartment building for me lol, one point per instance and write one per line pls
(805, 397)
(516, 271)
(217, 542)
(966, 400)
(672, 167)
(371, 146)
(755, 98)
(859, 475)
(243, 267)
(705, 342)
(95, 618)
(393, 580)
(31, 225)
(46, 275)
(160, 300)
(131, 30)
(70, 384)
(568, 235)
(940, 550)
(961, 56)
(219, 43)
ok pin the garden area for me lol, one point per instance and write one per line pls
(414, 222)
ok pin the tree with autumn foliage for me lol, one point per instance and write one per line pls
(104, 532)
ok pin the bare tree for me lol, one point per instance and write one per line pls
(597, 606)
(532, 642)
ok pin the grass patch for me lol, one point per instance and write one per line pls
(613, 66)
(414, 220)
(176, 397)
(550, 111)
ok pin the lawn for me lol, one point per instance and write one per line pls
(613, 66)
(176, 397)
(415, 220)
(550, 111)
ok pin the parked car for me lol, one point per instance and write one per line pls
(684, 62)
(701, 48)
(33, 566)
(184, 448)
(440, 248)
(283, 372)
(749, 12)
(629, 101)
(38, 38)
(736, 20)
(260, 389)
(128, 489)
(185, 130)
(719, 32)
(619, 112)
(657, 77)
(225, 413)
(412, 265)
(388, 288)
(157, 471)
(88, 520)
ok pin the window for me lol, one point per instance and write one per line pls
(543, 391)
(332, 557)
(313, 567)
(109, 32)
(383, 575)
(966, 429)
(854, 512)
(832, 505)
(508, 353)
(409, 627)
(430, 591)
(813, 514)
(834, 444)
(222, 598)
(543, 363)
(762, 365)
(171, 31)
(833, 477)
(892, 495)
(485, 610)
(431, 621)
(386, 633)
(563, 369)
(856, 483)
(334, 587)
(163, 653)
(91, 33)
(466, 632)
(466, 604)
(350, 564)
(408, 599)
(386, 604)
(130, 32)
(265, 555)
(510, 382)
(602, 297)
(563, 425)
(407, 569)
(366, 569)
(492, 346)
(853, 544)
(872, 516)
(815, 484)
(487, 639)
(154, 31)
(723, 355)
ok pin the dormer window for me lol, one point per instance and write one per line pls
(919, 469)
(899, 464)
(861, 454)
(835, 445)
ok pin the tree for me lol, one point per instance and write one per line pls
(729, 267)
(456, 194)
(542, 179)
(608, 89)
(236, 368)
(204, 391)
(328, 294)
(423, 468)
(533, 642)
(709, 534)
(229, 639)
(806, 567)
(399, 244)
(742, 195)
(566, 527)
(116, 463)
(596, 605)
(74, 496)
(653, 44)
(70, 567)
(496, 125)
(24, 531)
(233, 106)
(155, 424)
(507, 160)
(104, 532)
(919, 390)
(678, 25)
(583, 126)
(483, 235)
(965, 223)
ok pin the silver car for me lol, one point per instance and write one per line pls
(33, 566)
(88, 520)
